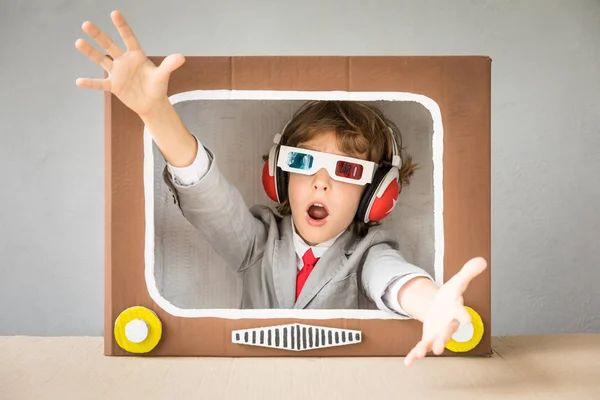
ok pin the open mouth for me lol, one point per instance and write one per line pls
(317, 211)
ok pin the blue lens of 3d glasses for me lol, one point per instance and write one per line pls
(298, 160)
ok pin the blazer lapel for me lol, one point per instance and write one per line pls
(285, 266)
(325, 269)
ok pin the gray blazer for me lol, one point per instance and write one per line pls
(258, 243)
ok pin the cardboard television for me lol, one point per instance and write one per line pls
(167, 293)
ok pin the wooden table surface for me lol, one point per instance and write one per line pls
(522, 367)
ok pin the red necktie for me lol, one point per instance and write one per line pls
(309, 261)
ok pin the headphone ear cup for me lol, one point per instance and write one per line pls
(381, 196)
(386, 197)
(274, 180)
(269, 174)
(370, 191)
(281, 178)
(269, 183)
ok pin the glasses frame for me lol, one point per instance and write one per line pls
(329, 162)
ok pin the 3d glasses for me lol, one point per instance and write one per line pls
(340, 168)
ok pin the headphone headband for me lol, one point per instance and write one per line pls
(396, 160)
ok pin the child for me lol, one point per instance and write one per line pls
(325, 250)
(280, 258)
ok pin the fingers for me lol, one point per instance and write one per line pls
(443, 337)
(410, 358)
(468, 272)
(171, 63)
(125, 31)
(168, 65)
(463, 316)
(94, 54)
(96, 84)
(102, 39)
(419, 351)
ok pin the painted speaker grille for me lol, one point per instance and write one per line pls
(296, 337)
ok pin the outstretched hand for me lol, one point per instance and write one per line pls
(132, 77)
(446, 312)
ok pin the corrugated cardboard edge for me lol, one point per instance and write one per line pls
(461, 87)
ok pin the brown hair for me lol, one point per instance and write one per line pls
(361, 129)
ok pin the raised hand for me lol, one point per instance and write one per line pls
(446, 312)
(132, 77)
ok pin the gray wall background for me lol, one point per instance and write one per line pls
(545, 137)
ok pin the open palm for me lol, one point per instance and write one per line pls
(132, 77)
(446, 312)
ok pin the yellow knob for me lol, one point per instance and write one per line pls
(138, 330)
(467, 337)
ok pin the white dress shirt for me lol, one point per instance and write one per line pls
(187, 176)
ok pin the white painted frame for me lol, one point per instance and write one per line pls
(148, 167)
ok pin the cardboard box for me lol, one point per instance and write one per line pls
(455, 91)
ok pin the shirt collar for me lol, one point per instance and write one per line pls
(318, 250)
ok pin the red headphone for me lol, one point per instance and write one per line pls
(378, 200)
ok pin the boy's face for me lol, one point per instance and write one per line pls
(339, 200)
